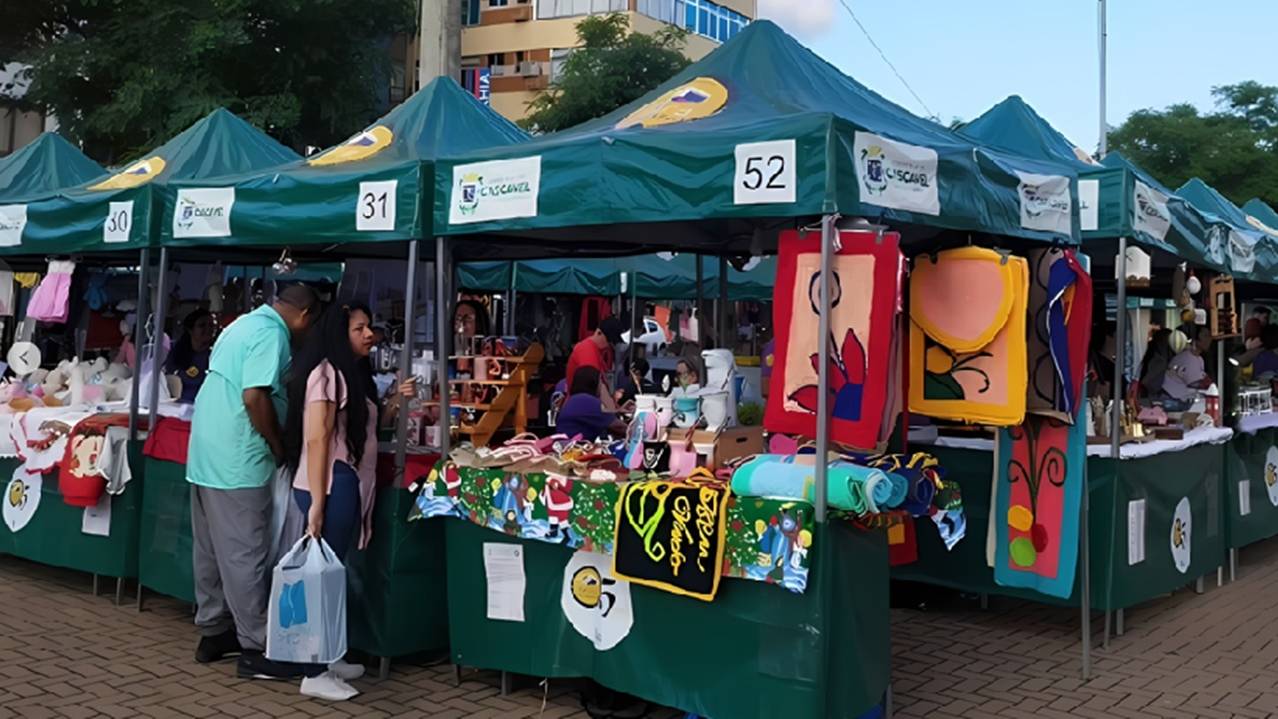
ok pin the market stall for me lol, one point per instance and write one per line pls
(731, 157)
(362, 198)
(1140, 497)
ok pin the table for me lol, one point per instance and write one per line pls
(755, 651)
(1192, 470)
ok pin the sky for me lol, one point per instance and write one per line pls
(963, 57)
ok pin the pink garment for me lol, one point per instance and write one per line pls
(326, 385)
(50, 300)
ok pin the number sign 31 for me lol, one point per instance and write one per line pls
(375, 208)
(765, 173)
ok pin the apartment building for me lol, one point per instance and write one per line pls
(511, 49)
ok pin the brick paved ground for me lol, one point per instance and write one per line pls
(65, 653)
(1183, 656)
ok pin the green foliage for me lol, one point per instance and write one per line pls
(611, 68)
(750, 414)
(126, 75)
(1233, 148)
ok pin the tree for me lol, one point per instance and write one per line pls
(611, 67)
(125, 75)
(1234, 148)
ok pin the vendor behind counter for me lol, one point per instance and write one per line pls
(189, 360)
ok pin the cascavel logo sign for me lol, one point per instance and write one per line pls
(203, 212)
(895, 174)
(495, 190)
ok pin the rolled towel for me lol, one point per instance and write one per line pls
(900, 490)
(851, 487)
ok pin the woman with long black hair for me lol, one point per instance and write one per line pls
(330, 443)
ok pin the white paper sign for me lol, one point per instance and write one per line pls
(765, 173)
(1182, 535)
(504, 570)
(495, 190)
(21, 498)
(896, 175)
(596, 603)
(203, 212)
(119, 221)
(1242, 252)
(1045, 202)
(1089, 204)
(13, 219)
(375, 209)
(1244, 498)
(97, 519)
(1271, 475)
(1135, 531)
(1149, 211)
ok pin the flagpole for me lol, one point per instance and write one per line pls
(1103, 146)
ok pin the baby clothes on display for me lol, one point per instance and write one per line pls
(51, 299)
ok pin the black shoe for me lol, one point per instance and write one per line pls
(218, 647)
(253, 665)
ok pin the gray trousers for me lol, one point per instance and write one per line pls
(231, 544)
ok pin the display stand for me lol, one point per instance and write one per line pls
(511, 400)
(1160, 481)
(755, 651)
(54, 535)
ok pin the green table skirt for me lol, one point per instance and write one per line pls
(756, 651)
(1251, 504)
(395, 596)
(1196, 474)
(54, 536)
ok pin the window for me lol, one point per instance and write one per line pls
(495, 59)
(547, 9)
(470, 12)
(498, 3)
(519, 56)
(703, 17)
(557, 60)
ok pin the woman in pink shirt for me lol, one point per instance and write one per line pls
(330, 437)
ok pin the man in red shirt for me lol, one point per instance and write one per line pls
(597, 351)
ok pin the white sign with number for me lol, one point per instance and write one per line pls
(119, 221)
(375, 209)
(765, 173)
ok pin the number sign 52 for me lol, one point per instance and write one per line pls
(765, 173)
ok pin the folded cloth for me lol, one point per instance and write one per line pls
(851, 487)
(81, 478)
(900, 490)
(169, 440)
(918, 501)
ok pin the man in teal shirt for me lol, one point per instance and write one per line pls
(234, 450)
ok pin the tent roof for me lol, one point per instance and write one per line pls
(316, 200)
(1013, 126)
(1258, 211)
(653, 277)
(673, 156)
(77, 220)
(47, 164)
(1240, 231)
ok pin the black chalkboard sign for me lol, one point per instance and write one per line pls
(670, 536)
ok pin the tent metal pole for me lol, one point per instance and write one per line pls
(443, 331)
(823, 372)
(1103, 143)
(722, 320)
(157, 333)
(510, 300)
(701, 333)
(1120, 352)
(139, 331)
(406, 362)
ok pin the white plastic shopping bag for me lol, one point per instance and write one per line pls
(306, 617)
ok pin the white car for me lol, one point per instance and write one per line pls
(653, 338)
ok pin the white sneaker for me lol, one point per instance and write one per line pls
(328, 686)
(344, 670)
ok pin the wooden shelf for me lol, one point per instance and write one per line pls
(462, 405)
(496, 382)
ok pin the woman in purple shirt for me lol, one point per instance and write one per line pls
(583, 413)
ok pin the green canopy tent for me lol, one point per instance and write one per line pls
(758, 136)
(46, 165)
(762, 128)
(648, 276)
(373, 188)
(1117, 198)
(1261, 216)
(1249, 252)
(120, 211)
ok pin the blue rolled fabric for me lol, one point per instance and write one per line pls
(918, 501)
(852, 488)
(900, 490)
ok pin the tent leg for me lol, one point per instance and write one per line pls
(985, 602)
(383, 668)
(1199, 587)
(505, 683)
(828, 236)
(457, 675)
(119, 590)
(1120, 615)
(95, 585)
(887, 701)
(406, 363)
(1220, 576)
(157, 333)
(141, 592)
(1105, 640)
(1233, 565)
(443, 328)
